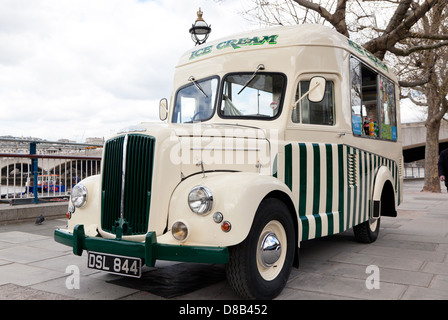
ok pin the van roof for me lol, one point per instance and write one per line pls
(278, 37)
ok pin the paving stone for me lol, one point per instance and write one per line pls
(422, 255)
(14, 292)
(380, 261)
(345, 287)
(359, 272)
(24, 275)
(419, 293)
(20, 237)
(25, 254)
(89, 288)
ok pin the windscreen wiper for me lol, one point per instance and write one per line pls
(260, 67)
(197, 85)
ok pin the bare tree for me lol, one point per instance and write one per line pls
(413, 32)
(428, 67)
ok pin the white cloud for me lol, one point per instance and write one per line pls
(81, 68)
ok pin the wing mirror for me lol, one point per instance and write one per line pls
(317, 89)
(316, 92)
(163, 109)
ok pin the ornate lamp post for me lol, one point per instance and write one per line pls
(200, 30)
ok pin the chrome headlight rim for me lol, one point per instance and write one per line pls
(200, 200)
(78, 195)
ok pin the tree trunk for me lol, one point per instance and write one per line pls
(432, 183)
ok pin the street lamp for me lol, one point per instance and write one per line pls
(200, 30)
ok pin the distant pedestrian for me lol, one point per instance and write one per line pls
(443, 167)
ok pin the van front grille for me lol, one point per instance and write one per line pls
(127, 206)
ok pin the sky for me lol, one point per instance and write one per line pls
(74, 69)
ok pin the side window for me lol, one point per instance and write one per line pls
(314, 112)
(373, 103)
(388, 109)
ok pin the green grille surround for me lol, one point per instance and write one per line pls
(137, 184)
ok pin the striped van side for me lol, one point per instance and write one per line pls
(334, 184)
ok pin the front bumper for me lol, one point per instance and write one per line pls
(149, 251)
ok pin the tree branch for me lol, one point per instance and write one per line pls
(337, 19)
(410, 84)
(406, 52)
(380, 45)
(417, 35)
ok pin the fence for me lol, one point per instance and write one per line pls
(44, 172)
(414, 172)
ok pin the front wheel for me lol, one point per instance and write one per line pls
(259, 267)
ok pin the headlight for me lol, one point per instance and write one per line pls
(79, 195)
(200, 200)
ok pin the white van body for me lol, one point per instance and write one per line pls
(270, 140)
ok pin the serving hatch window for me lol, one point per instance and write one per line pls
(373, 103)
(247, 96)
(196, 101)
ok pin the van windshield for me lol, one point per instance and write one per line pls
(246, 96)
(196, 101)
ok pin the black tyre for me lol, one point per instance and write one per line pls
(259, 267)
(367, 231)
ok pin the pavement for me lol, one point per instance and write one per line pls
(409, 261)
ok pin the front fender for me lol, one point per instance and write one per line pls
(89, 214)
(236, 195)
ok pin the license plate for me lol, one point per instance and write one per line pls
(127, 266)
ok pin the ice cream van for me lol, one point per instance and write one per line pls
(270, 138)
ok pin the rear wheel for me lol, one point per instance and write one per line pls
(367, 231)
(259, 267)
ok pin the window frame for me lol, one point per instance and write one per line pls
(299, 105)
(379, 105)
(192, 84)
(281, 102)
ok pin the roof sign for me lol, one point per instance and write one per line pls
(235, 44)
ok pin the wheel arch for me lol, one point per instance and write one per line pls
(383, 198)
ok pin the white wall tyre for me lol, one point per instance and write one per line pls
(259, 267)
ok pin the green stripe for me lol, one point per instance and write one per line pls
(302, 179)
(288, 166)
(330, 218)
(353, 199)
(329, 158)
(341, 186)
(305, 228)
(316, 188)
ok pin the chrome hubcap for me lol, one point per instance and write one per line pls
(270, 250)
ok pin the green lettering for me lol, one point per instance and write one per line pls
(233, 43)
(270, 39)
(244, 41)
(255, 41)
(201, 52)
(356, 46)
(222, 45)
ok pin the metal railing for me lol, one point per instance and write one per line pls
(30, 174)
(414, 172)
